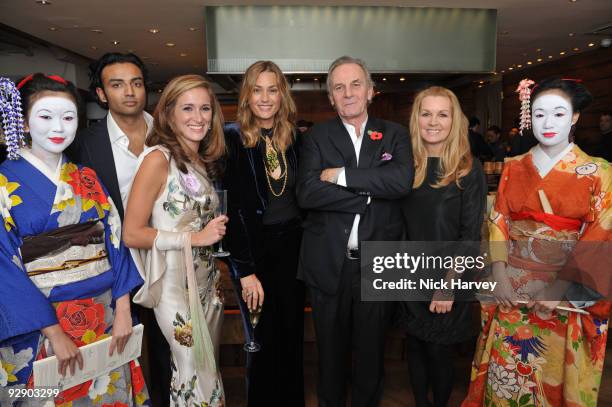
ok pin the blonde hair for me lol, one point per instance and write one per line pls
(164, 133)
(284, 120)
(456, 157)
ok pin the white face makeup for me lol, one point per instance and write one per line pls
(52, 124)
(552, 120)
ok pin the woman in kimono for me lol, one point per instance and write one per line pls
(544, 341)
(66, 275)
(170, 217)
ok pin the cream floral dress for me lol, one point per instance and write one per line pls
(186, 204)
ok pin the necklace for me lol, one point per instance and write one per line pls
(272, 164)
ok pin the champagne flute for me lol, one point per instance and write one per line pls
(254, 315)
(221, 209)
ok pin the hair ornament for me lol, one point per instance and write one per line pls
(524, 92)
(55, 78)
(12, 118)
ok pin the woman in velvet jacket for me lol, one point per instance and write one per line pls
(264, 231)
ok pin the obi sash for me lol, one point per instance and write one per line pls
(65, 255)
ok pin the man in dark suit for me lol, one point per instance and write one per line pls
(353, 170)
(111, 147)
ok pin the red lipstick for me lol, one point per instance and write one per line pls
(57, 140)
(549, 135)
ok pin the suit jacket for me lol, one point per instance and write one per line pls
(92, 148)
(332, 208)
(245, 180)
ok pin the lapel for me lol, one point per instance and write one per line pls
(100, 155)
(256, 164)
(369, 146)
(341, 139)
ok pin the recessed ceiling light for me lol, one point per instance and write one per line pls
(192, 29)
(402, 79)
(529, 62)
(96, 30)
(159, 91)
(571, 34)
(43, 2)
(480, 86)
(182, 54)
(562, 53)
(153, 30)
(539, 50)
(115, 42)
(519, 66)
(297, 79)
(170, 44)
(550, 57)
(384, 79)
(52, 28)
(503, 71)
(93, 47)
(539, 59)
(573, 1)
(481, 82)
(511, 68)
(316, 79)
(591, 44)
(576, 49)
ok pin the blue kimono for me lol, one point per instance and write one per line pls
(74, 285)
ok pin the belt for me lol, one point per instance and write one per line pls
(352, 254)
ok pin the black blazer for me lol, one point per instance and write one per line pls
(92, 148)
(332, 208)
(247, 195)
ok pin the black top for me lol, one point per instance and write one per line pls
(281, 208)
(443, 214)
(447, 213)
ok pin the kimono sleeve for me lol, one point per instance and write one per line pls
(498, 220)
(589, 262)
(23, 307)
(125, 274)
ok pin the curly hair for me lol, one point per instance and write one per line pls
(456, 158)
(284, 120)
(212, 147)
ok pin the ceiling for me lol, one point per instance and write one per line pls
(528, 30)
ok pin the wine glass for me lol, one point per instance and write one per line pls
(221, 209)
(254, 315)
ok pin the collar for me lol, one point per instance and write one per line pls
(351, 129)
(37, 163)
(544, 163)
(114, 131)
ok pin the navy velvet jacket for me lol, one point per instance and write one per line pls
(247, 195)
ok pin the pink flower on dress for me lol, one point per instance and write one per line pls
(190, 183)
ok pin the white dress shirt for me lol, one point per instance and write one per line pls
(353, 241)
(126, 162)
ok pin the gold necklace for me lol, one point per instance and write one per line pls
(271, 163)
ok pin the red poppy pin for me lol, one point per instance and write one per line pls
(375, 135)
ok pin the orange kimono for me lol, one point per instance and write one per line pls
(524, 359)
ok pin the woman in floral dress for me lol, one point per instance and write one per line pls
(550, 230)
(170, 219)
(66, 276)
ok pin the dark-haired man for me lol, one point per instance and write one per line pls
(112, 147)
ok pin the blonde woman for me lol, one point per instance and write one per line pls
(264, 232)
(446, 204)
(170, 211)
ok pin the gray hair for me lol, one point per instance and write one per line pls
(348, 60)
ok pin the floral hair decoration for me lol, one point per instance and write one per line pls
(12, 118)
(524, 92)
